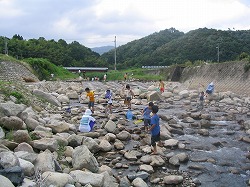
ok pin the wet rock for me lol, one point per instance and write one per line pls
(173, 179)
(157, 160)
(105, 146)
(124, 182)
(124, 135)
(141, 174)
(118, 145)
(132, 155)
(138, 182)
(203, 132)
(147, 168)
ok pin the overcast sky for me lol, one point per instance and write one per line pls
(95, 23)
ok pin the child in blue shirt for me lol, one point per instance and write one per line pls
(146, 115)
(155, 129)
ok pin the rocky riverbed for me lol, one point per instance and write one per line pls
(41, 144)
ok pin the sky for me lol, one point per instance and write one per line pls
(95, 23)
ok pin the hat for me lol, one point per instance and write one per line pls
(88, 112)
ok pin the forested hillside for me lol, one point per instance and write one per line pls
(166, 47)
(171, 46)
(57, 52)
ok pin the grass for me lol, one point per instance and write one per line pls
(138, 74)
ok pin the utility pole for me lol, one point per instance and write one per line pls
(218, 53)
(115, 52)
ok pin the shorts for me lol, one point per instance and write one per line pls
(147, 122)
(208, 91)
(155, 139)
(91, 104)
(162, 89)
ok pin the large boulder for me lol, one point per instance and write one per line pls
(45, 143)
(47, 96)
(11, 109)
(85, 178)
(45, 162)
(153, 96)
(21, 136)
(31, 123)
(57, 179)
(83, 158)
(58, 126)
(5, 182)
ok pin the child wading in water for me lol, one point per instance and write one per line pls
(108, 96)
(146, 115)
(128, 96)
(91, 96)
(155, 129)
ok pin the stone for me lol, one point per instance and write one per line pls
(21, 136)
(11, 123)
(45, 143)
(27, 167)
(63, 98)
(173, 179)
(75, 140)
(138, 182)
(157, 160)
(45, 162)
(47, 96)
(11, 109)
(57, 179)
(124, 182)
(83, 158)
(105, 146)
(110, 126)
(171, 143)
(124, 135)
(132, 155)
(5, 182)
(58, 126)
(153, 96)
(2, 133)
(92, 145)
(118, 145)
(31, 123)
(8, 159)
(147, 168)
(14, 174)
(85, 178)
(28, 156)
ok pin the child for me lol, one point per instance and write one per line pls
(155, 129)
(161, 86)
(128, 96)
(108, 96)
(91, 96)
(201, 99)
(87, 122)
(146, 115)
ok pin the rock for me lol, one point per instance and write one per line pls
(91, 144)
(141, 174)
(246, 124)
(14, 174)
(184, 93)
(132, 155)
(58, 126)
(146, 159)
(85, 178)
(72, 95)
(8, 159)
(27, 167)
(110, 126)
(124, 182)
(11, 123)
(173, 179)
(47, 96)
(21, 136)
(153, 96)
(75, 140)
(157, 160)
(171, 143)
(203, 132)
(28, 183)
(63, 98)
(45, 143)
(5, 182)
(105, 146)
(11, 109)
(174, 160)
(31, 123)
(167, 94)
(28, 156)
(57, 179)
(2, 134)
(138, 182)
(124, 135)
(83, 158)
(104, 168)
(45, 162)
(147, 168)
(118, 145)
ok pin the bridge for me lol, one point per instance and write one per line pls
(87, 69)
